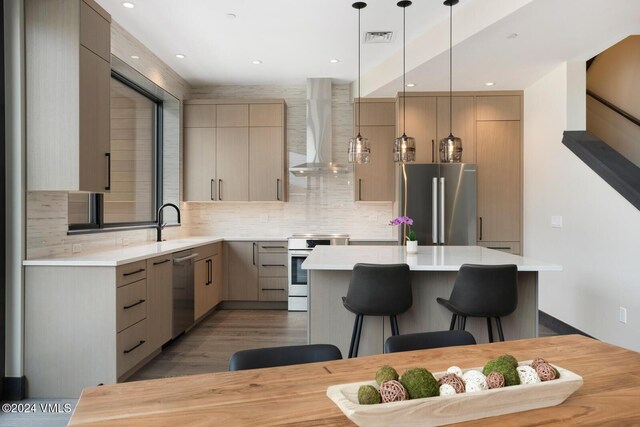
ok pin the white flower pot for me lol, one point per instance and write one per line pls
(412, 246)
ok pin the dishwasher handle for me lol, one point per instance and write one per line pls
(183, 259)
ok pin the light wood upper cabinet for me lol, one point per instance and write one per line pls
(159, 300)
(499, 181)
(463, 124)
(504, 107)
(420, 124)
(374, 180)
(266, 115)
(67, 45)
(266, 168)
(200, 164)
(232, 163)
(374, 113)
(232, 115)
(242, 271)
(199, 116)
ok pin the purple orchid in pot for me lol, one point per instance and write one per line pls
(411, 240)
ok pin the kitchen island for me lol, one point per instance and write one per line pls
(434, 270)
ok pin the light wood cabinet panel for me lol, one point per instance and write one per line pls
(131, 304)
(374, 113)
(272, 289)
(242, 271)
(232, 163)
(266, 168)
(272, 247)
(498, 107)
(265, 115)
(463, 124)
(201, 287)
(217, 279)
(199, 116)
(509, 247)
(499, 180)
(374, 181)
(132, 347)
(131, 272)
(273, 264)
(159, 300)
(420, 124)
(200, 164)
(95, 30)
(236, 115)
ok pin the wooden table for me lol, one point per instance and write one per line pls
(296, 395)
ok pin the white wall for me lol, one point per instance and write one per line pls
(599, 244)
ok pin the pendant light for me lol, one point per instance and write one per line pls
(359, 149)
(451, 146)
(404, 147)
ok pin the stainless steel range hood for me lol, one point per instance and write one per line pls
(319, 159)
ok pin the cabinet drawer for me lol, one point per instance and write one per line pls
(130, 273)
(272, 247)
(131, 347)
(131, 303)
(272, 289)
(509, 247)
(206, 251)
(272, 265)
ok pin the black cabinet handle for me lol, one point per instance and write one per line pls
(133, 272)
(480, 229)
(127, 307)
(211, 188)
(134, 347)
(273, 289)
(278, 189)
(499, 248)
(273, 265)
(161, 262)
(273, 247)
(108, 156)
(360, 189)
(219, 189)
(209, 275)
(433, 151)
(254, 253)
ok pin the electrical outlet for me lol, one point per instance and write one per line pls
(77, 247)
(556, 221)
(623, 315)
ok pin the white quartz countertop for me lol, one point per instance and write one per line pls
(125, 255)
(428, 258)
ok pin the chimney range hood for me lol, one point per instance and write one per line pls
(319, 161)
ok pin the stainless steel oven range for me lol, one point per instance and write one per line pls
(300, 245)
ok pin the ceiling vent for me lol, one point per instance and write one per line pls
(378, 37)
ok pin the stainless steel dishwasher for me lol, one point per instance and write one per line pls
(183, 291)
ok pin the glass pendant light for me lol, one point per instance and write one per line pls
(404, 147)
(451, 146)
(359, 149)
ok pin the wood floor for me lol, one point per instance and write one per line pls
(208, 346)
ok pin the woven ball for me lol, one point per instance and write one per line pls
(454, 381)
(393, 391)
(527, 375)
(474, 381)
(537, 361)
(495, 380)
(447, 390)
(455, 370)
(545, 372)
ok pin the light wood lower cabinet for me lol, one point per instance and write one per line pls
(242, 271)
(160, 300)
(207, 291)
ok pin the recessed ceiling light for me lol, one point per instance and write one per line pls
(334, 61)
(411, 85)
(489, 83)
(180, 56)
(512, 36)
(256, 62)
(135, 57)
(232, 15)
(128, 4)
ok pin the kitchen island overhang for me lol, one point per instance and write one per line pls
(434, 269)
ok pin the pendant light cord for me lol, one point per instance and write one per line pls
(404, 70)
(359, 76)
(451, 69)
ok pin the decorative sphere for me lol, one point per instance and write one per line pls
(368, 395)
(419, 383)
(537, 361)
(447, 390)
(509, 359)
(495, 380)
(505, 367)
(474, 381)
(455, 370)
(527, 375)
(386, 373)
(545, 372)
(454, 381)
(393, 391)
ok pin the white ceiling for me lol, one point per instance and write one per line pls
(295, 39)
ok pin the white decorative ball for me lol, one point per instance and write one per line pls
(455, 370)
(527, 375)
(474, 381)
(447, 390)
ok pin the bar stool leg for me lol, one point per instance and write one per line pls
(357, 343)
(353, 335)
(453, 322)
(394, 325)
(463, 324)
(499, 325)
(489, 329)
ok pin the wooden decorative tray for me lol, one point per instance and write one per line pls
(442, 410)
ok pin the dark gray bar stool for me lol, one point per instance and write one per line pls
(483, 291)
(283, 356)
(377, 290)
(426, 340)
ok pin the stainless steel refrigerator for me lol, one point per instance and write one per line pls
(441, 200)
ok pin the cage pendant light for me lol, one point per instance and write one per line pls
(404, 147)
(359, 150)
(451, 146)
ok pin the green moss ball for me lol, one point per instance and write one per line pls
(509, 358)
(368, 395)
(420, 383)
(386, 373)
(506, 368)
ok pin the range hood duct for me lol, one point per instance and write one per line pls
(319, 161)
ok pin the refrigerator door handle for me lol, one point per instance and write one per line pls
(434, 210)
(442, 211)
